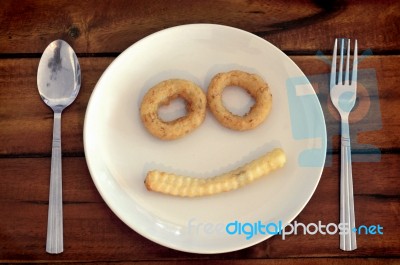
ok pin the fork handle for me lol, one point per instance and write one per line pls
(347, 239)
(54, 243)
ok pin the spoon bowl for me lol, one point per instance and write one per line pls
(59, 82)
(59, 75)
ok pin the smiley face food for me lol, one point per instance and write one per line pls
(254, 85)
(169, 183)
(162, 94)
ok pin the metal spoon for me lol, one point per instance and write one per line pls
(59, 81)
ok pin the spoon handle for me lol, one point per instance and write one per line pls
(54, 243)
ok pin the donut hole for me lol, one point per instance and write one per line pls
(237, 100)
(173, 110)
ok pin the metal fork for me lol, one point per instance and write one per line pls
(343, 96)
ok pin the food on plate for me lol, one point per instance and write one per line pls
(254, 85)
(162, 94)
(169, 183)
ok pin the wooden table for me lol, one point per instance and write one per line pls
(100, 30)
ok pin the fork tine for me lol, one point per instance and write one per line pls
(340, 79)
(355, 64)
(346, 78)
(333, 68)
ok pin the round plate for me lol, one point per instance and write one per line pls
(119, 151)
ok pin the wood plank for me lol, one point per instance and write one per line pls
(297, 261)
(27, 179)
(94, 233)
(93, 27)
(25, 117)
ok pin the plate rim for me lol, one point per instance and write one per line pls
(154, 238)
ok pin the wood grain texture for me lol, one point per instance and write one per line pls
(23, 112)
(298, 261)
(94, 233)
(111, 26)
(25, 117)
(27, 179)
(100, 30)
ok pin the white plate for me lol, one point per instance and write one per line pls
(119, 151)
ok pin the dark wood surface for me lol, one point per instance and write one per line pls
(99, 30)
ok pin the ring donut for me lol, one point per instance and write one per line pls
(162, 94)
(254, 85)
